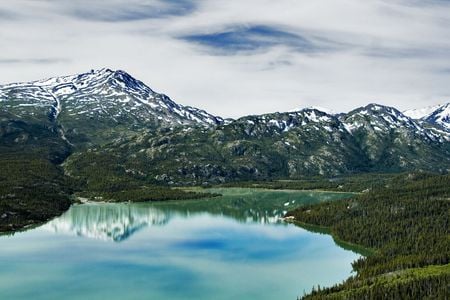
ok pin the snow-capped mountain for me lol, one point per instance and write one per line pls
(441, 117)
(102, 94)
(379, 118)
(389, 138)
(373, 118)
(284, 122)
(107, 119)
(438, 115)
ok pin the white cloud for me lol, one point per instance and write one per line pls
(393, 52)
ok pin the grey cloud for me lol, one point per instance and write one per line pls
(422, 3)
(6, 15)
(253, 38)
(125, 11)
(237, 40)
(404, 53)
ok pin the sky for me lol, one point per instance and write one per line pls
(235, 58)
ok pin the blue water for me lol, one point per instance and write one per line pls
(234, 247)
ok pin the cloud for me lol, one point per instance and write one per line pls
(124, 11)
(252, 38)
(6, 15)
(33, 61)
(404, 53)
(424, 3)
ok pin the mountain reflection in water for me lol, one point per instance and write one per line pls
(115, 222)
(118, 221)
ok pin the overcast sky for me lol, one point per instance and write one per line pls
(241, 57)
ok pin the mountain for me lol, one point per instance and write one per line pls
(309, 142)
(105, 135)
(392, 141)
(438, 115)
(88, 104)
(253, 147)
(106, 126)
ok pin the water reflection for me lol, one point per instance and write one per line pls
(117, 222)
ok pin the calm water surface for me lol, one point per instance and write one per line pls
(232, 247)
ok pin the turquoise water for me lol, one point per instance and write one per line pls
(232, 247)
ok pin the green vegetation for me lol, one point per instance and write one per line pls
(105, 178)
(33, 188)
(31, 191)
(429, 282)
(143, 194)
(353, 183)
(406, 223)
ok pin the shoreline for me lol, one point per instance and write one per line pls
(15, 228)
(361, 250)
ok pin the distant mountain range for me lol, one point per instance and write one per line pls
(109, 122)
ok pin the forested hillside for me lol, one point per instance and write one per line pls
(406, 224)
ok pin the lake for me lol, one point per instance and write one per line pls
(230, 247)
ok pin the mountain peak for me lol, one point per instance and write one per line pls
(319, 108)
(438, 115)
(380, 107)
(76, 79)
(323, 109)
(379, 118)
(103, 95)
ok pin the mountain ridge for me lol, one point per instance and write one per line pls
(53, 88)
(146, 135)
